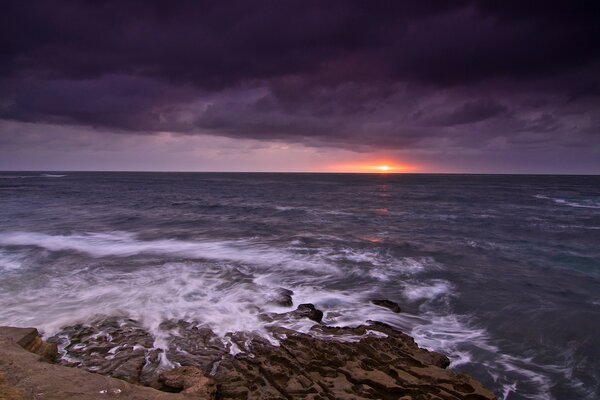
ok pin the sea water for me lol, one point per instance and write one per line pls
(500, 273)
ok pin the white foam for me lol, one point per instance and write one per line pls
(226, 285)
(583, 203)
(184, 291)
(579, 227)
(378, 264)
(428, 290)
(286, 208)
(10, 261)
(125, 244)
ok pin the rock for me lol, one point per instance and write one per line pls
(191, 379)
(24, 376)
(197, 346)
(30, 340)
(22, 336)
(371, 361)
(282, 297)
(130, 370)
(47, 350)
(393, 306)
(385, 365)
(9, 392)
(110, 346)
(308, 311)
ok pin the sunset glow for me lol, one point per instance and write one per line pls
(386, 167)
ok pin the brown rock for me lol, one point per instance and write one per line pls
(385, 365)
(23, 376)
(191, 379)
(30, 340)
(9, 392)
(372, 361)
(22, 336)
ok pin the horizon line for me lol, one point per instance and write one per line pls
(308, 172)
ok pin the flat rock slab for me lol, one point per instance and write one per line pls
(21, 336)
(30, 340)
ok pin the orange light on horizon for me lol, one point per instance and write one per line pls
(384, 168)
(381, 167)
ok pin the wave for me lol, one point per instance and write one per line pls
(125, 244)
(216, 296)
(226, 285)
(17, 176)
(469, 346)
(583, 203)
(429, 290)
(31, 176)
(579, 227)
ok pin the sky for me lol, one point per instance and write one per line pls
(315, 86)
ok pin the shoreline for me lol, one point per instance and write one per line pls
(372, 361)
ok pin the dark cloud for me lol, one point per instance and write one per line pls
(351, 74)
(473, 111)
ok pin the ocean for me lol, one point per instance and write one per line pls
(500, 273)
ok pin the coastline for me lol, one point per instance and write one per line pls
(373, 361)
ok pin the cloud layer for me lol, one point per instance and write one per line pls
(435, 78)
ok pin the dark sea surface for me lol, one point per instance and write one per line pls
(501, 273)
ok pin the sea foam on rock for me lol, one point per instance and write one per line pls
(282, 297)
(373, 361)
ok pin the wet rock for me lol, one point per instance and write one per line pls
(367, 362)
(115, 347)
(282, 297)
(130, 370)
(191, 379)
(371, 361)
(196, 346)
(393, 306)
(308, 311)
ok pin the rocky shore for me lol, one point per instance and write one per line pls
(118, 358)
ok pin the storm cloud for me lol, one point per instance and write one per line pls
(463, 77)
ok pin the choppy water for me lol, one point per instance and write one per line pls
(501, 273)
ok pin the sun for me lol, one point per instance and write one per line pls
(374, 167)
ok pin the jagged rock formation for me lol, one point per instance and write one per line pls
(373, 361)
(367, 362)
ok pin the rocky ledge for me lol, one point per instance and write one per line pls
(25, 375)
(372, 361)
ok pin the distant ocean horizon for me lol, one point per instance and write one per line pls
(500, 272)
(6, 173)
